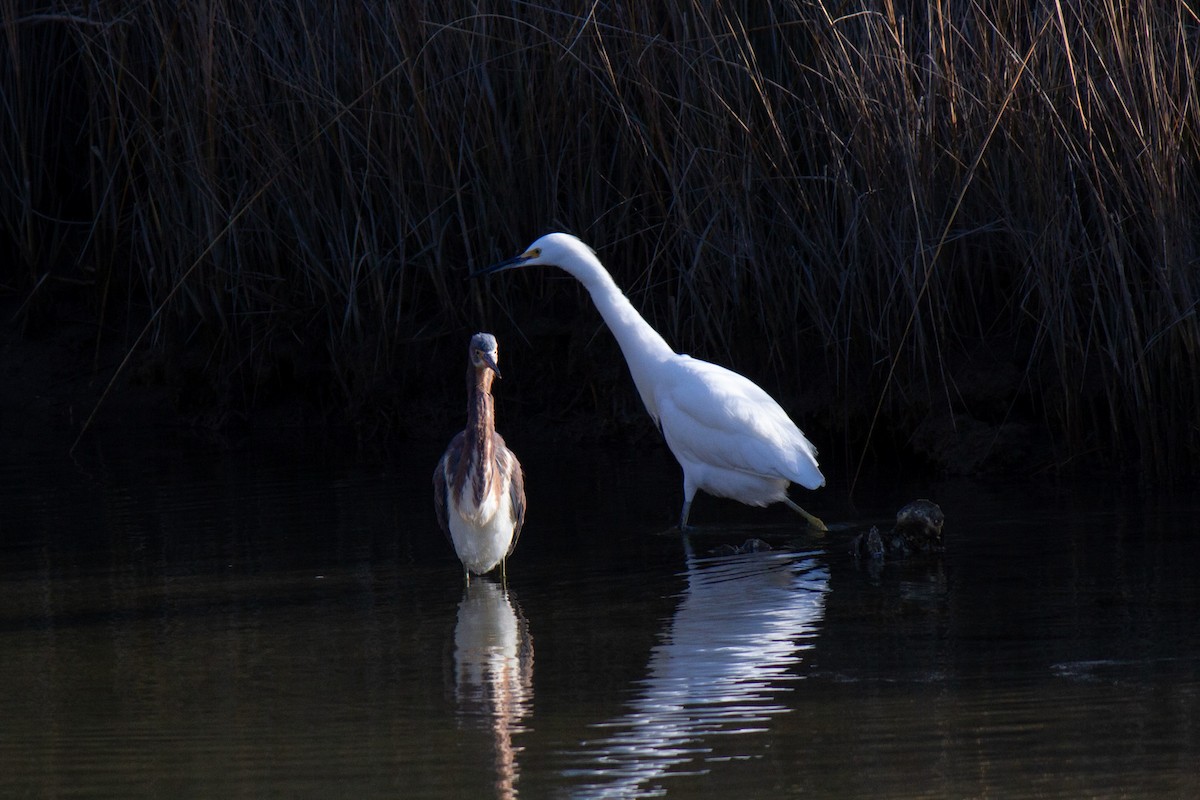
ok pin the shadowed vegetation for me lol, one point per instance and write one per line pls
(962, 230)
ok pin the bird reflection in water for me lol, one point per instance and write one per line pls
(732, 644)
(493, 671)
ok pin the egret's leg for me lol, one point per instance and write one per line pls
(504, 573)
(689, 494)
(467, 573)
(813, 521)
(683, 516)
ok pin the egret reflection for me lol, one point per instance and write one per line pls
(740, 629)
(493, 671)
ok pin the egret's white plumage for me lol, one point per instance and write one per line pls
(731, 438)
(478, 485)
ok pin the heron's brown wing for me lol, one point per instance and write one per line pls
(447, 466)
(507, 461)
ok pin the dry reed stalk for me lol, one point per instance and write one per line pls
(851, 202)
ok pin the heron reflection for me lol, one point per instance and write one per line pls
(731, 647)
(493, 671)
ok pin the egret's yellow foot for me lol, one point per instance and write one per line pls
(812, 521)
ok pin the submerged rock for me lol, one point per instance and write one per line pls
(918, 529)
(919, 526)
(748, 546)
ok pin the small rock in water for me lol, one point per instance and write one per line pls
(918, 529)
(869, 545)
(919, 524)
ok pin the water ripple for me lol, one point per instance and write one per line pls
(741, 626)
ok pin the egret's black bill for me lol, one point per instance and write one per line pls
(515, 261)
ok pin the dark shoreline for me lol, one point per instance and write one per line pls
(56, 384)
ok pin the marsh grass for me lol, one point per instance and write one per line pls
(863, 206)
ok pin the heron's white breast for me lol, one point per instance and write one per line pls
(493, 502)
(482, 538)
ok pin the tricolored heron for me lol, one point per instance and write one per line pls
(478, 486)
(731, 438)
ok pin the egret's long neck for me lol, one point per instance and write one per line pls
(642, 346)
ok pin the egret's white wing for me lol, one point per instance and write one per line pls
(718, 417)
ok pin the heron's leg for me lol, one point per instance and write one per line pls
(812, 521)
(467, 572)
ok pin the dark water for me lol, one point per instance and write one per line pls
(182, 621)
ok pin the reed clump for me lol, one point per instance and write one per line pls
(887, 213)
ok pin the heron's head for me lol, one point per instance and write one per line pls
(555, 249)
(485, 353)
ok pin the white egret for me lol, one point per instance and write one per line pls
(731, 438)
(478, 486)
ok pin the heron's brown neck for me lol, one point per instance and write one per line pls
(481, 423)
(481, 416)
